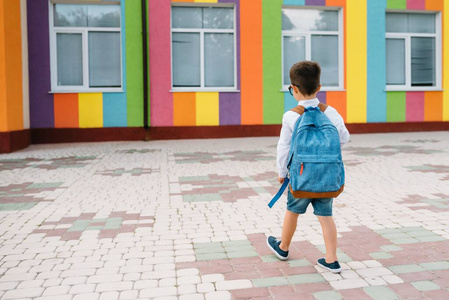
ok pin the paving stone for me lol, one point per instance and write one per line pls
(327, 295)
(380, 292)
(348, 284)
(233, 285)
(425, 285)
(305, 278)
(270, 281)
(406, 269)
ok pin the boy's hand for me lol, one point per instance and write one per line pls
(281, 180)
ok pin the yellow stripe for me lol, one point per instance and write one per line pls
(90, 110)
(207, 106)
(207, 1)
(356, 45)
(446, 61)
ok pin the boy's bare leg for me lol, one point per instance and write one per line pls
(330, 237)
(288, 229)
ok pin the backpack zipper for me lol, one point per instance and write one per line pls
(302, 169)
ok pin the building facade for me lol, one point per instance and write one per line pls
(80, 71)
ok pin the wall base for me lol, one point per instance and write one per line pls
(14, 140)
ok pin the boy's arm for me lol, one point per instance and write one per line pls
(283, 149)
(339, 123)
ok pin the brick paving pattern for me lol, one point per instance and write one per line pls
(188, 220)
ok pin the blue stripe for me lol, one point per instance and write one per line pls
(289, 102)
(294, 2)
(376, 63)
(114, 104)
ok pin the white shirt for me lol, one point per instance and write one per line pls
(288, 123)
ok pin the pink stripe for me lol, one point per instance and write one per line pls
(160, 97)
(417, 4)
(415, 106)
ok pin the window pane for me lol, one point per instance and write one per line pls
(70, 15)
(421, 23)
(411, 23)
(396, 22)
(294, 51)
(218, 18)
(186, 59)
(187, 17)
(423, 61)
(325, 52)
(103, 15)
(395, 61)
(309, 20)
(104, 59)
(219, 59)
(69, 59)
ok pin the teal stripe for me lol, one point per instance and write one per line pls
(289, 102)
(273, 98)
(114, 104)
(294, 2)
(114, 110)
(376, 62)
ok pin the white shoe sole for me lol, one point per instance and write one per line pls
(335, 271)
(275, 253)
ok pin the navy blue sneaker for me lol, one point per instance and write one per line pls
(333, 267)
(273, 243)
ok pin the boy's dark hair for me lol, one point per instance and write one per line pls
(305, 75)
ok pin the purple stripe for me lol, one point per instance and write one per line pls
(322, 97)
(230, 103)
(229, 108)
(41, 102)
(315, 2)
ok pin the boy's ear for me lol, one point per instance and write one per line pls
(319, 88)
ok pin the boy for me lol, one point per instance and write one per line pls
(305, 79)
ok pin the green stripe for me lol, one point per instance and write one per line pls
(396, 4)
(396, 106)
(273, 99)
(134, 61)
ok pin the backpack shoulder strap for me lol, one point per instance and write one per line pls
(322, 107)
(298, 109)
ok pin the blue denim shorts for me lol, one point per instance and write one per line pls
(321, 207)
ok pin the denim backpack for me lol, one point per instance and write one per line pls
(315, 164)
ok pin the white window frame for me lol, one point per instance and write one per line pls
(407, 37)
(308, 45)
(84, 31)
(202, 31)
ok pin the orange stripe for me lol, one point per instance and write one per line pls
(3, 112)
(338, 101)
(184, 111)
(66, 111)
(433, 106)
(340, 3)
(13, 64)
(251, 65)
(435, 5)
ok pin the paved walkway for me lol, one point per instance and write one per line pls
(188, 220)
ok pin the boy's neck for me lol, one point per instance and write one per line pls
(308, 97)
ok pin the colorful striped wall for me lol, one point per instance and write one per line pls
(337, 99)
(398, 106)
(85, 110)
(11, 71)
(258, 99)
